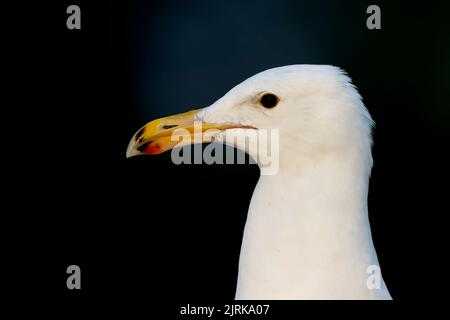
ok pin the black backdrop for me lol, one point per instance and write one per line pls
(145, 226)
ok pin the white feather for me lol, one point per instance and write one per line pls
(307, 234)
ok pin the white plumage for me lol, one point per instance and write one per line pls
(307, 234)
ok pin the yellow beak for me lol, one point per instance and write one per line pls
(164, 134)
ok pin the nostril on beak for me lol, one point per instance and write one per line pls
(169, 126)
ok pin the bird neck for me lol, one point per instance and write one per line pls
(307, 233)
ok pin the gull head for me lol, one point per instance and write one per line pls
(314, 109)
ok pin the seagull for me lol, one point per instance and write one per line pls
(307, 234)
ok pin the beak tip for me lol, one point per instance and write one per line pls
(132, 153)
(155, 137)
(131, 150)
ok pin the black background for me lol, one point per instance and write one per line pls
(151, 236)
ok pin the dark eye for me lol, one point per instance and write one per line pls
(269, 100)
